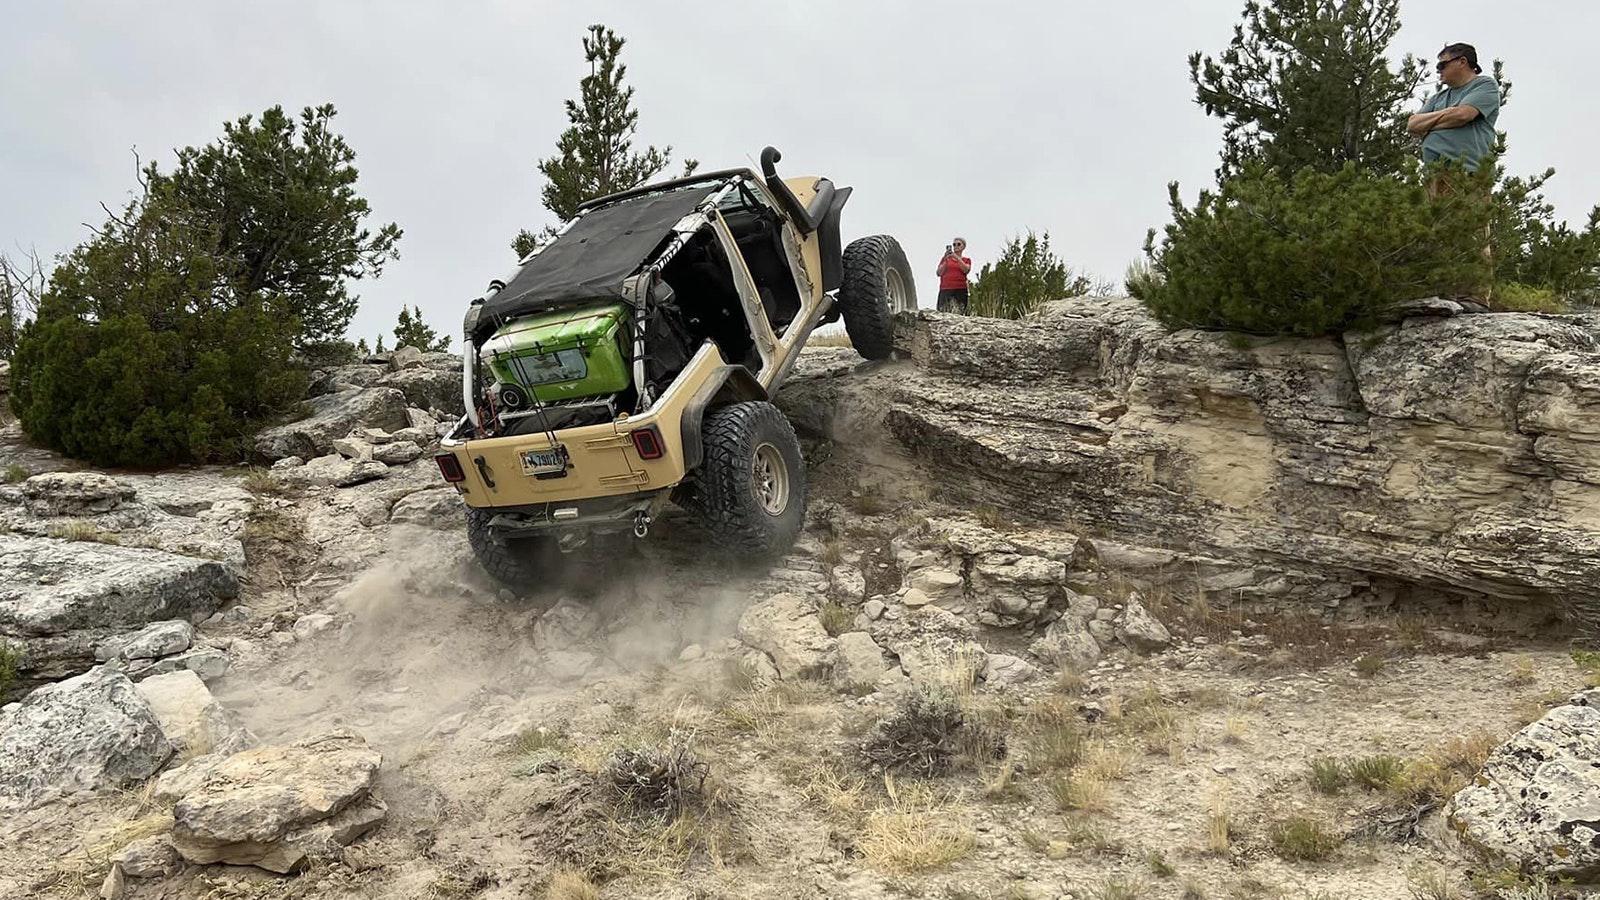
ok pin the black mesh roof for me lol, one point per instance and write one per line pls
(592, 259)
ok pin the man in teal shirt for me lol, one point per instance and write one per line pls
(1457, 124)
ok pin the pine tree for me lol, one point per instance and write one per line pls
(281, 196)
(1026, 276)
(1309, 83)
(411, 331)
(378, 347)
(362, 348)
(594, 156)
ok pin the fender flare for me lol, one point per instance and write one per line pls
(727, 384)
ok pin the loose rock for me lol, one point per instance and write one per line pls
(787, 628)
(275, 807)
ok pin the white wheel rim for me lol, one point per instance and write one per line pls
(770, 478)
(895, 289)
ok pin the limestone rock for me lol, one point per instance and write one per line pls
(932, 644)
(1139, 630)
(405, 358)
(153, 641)
(352, 448)
(435, 508)
(60, 599)
(848, 583)
(275, 807)
(1001, 670)
(1319, 470)
(73, 494)
(937, 583)
(207, 662)
(786, 627)
(87, 733)
(397, 453)
(191, 718)
(427, 388)
(1067, 642)
(336, 471)
(420, 419)
(151, 857)
(310, 625)
(860, 662)
(334, 416)
(1536, 803)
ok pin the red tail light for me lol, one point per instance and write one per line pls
(648, 442)
(450, 468)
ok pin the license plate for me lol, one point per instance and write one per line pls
(540, 462)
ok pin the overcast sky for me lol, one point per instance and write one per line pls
(981, 119)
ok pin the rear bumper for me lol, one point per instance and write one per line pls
(600, 515)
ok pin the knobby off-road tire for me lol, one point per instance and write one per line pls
(877, 284)
(523, 563)
(750, 490)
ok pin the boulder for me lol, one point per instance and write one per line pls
(427, 389)
(1535, 805)
(397, 453)
(421, 420)
(207, 662)
(405, 358)
(333, 416)
(860, 662)
(1067, 642)
(60, 599)
(73, 494)
(278, 807)
(1014, 587)
(191, 718)
(786, 627)
(939, 584)
(336, 471)
(91, 732)
(932, 644)
(151, 857)
(1001, 670)
(352, 448)
(310, 625)
(1138, 630)
(435, 508)
(153, 641)
(848, 583)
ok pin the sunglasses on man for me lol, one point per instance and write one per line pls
(1443, 63)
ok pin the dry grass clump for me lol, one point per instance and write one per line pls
(836, 618)
(931, 732)
(917, 830)
(13, 474)
(660, 779)
(1431, 884)
(1521, 672)
(10, 664)
(1219, 824)
(1118, 888)
(1057, 735)
(568, 884)
(78, 530)
(1298, 839)
(262, 482)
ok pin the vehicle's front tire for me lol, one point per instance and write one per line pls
(877, 284)
(523, 563)
(750, 490)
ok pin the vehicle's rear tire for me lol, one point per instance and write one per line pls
(750, 490)
(877, 284)
(520, 562)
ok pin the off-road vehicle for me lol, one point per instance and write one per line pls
(630, 362)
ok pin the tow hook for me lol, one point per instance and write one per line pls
(641, 524)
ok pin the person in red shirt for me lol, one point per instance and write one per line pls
(952, 273)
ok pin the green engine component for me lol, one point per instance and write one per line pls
(564, 354)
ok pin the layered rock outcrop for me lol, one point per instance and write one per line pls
(1453, 456)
